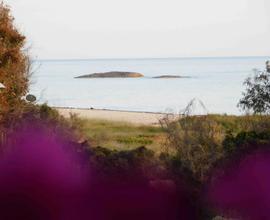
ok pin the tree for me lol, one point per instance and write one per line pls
(14, 68)
(256, 98)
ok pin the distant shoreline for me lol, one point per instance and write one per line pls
(145, 58)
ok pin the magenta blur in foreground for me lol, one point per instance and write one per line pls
(243, 190)
(42, 178)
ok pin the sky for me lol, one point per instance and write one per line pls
(82, 29)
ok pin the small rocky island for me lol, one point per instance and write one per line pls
(116, 74)
(170, 77)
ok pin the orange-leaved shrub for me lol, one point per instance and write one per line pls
(14, 69)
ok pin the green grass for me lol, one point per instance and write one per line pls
(237, 124)
(123, 136)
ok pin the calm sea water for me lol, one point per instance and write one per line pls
(217, 82)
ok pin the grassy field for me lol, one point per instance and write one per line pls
(123, 136)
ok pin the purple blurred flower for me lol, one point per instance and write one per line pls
(41, 177)
(244, 190)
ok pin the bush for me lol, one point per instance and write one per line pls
(46, 118)
(245, 141)
(198, 142)
(127, 164)
(14, 69)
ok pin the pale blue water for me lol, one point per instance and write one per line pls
(217, 82)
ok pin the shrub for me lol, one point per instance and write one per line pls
(127, 164)
(198, 142)
(46, 118)
(245, 141)
(14, 69)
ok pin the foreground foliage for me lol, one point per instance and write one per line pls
(14, 69)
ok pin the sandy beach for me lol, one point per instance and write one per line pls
(138, 118)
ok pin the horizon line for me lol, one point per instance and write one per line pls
(147, 58)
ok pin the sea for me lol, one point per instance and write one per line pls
(216, 82)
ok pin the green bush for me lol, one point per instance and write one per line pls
(245, 141)
(123, 164)
(47, 118)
